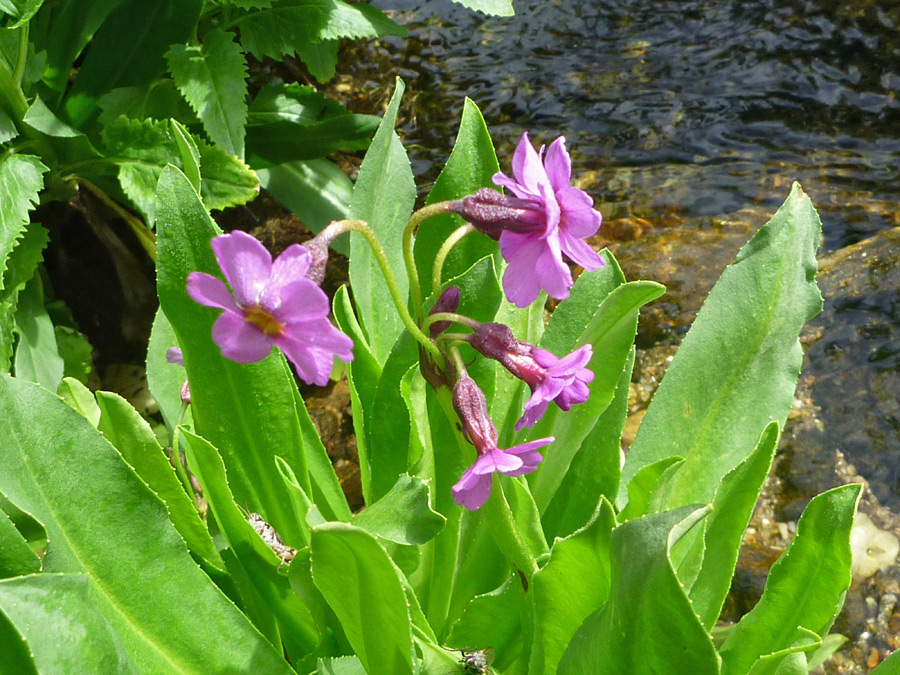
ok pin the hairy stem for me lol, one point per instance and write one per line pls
(444, 251)
(409, 260)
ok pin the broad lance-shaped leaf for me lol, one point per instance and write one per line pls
(212, 78)
(63, 472)
(736, 370)
(37, 355)
(282, 29)
(57, 616)
(806, 586)
(262, 393)
(130, 434)
(21, 179)
(495, 619)
(384, 196)
(723, 530)
(259, 563)
(363, 587)
(470, 166)
(611, 332)
(648, 625)
(570, 587)
(594, 471)
(290, 122)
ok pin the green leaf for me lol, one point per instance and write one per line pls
(648, 618)
(320, 58)
(72, 25)
(733, 505)
(289, 122)
(403, 515)
(384, 196)
(160, 100)
(363, 587)
(129, 53)
(63, 472)
(246, 410)
(343, 665)
(227, 181)
(806, 586)
(16, 556)
(594, 470)
(645, 488)
(282, 29)
(164, 378)
(570, 587)
(24, 260)
(142, 149)
(37, 356)
(21, 179)
(130, 434)
(190, 155)
(8, 129)
(489, 7)
(470, 166)
(363, 374)
(890, 666)
(495, 620)
(80, 399)
(28, 526)
(19, 11)
(56, 614)
(611, 333)
(212, 78)
(259, 563)
(315, 190)
(736, 370)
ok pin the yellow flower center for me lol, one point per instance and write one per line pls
(260, 318)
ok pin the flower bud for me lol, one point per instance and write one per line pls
(448, 302)
(492, 213)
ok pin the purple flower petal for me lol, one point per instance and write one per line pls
(580, 252)
(245, 263)
(579, 218)
(529, 455)
(239, 340)
(472, 490)
(321, 334)
(291, 266)
(312, 365)
(558, 164)
(175, 356)
(296, 302)
(496, 460)
(534, 410)
(210, 292)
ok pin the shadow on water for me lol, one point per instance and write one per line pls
(686, 108)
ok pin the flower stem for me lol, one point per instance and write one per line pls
(444, 251)
(409, 259)
(448, 316)
(175, 455)
(391, 281)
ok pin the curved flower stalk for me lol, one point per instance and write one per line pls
(563, 381)
(546, 219)
(474, 487)
(273, 304)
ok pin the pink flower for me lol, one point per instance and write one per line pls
(564, 381)
(273, 304)
(474, 487)
(535, 256)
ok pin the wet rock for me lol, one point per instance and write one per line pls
(873, 549)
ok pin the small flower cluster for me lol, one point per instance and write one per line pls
(279, 303)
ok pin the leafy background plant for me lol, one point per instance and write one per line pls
(159, 120)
